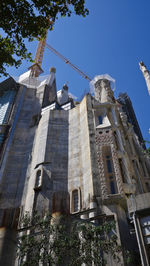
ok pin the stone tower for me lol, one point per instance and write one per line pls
(87, 154)
(145, 74)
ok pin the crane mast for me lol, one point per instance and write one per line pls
(36, 69)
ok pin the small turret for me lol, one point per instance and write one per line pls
(63, 96)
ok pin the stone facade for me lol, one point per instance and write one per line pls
(146, 75)
(55, 147)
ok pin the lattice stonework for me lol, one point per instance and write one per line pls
(106, 138)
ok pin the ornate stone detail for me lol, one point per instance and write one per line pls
(106, 138)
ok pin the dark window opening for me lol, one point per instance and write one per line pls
(75, 200)
(109, 167)
(100, 119)
(112, 187)
(38, 183)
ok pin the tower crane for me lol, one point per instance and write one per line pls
(36, 69)
(68, 62)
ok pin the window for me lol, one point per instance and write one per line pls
(145, 224)
(38, 182)
(112, 187)
(100, 119)
(75, 200)
(109, 171)
(108, 162)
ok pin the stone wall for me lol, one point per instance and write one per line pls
(50, 154)
(19, 147)
(79, 164)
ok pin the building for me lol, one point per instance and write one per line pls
(145, 74)
(127, 108)
(92, 150)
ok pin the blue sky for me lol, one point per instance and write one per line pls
(112, 39)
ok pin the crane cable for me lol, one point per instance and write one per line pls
(68, 62)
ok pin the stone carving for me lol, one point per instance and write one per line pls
(107, 139)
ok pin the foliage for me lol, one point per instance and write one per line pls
(132, 257)
(68, 242)
(20, 19)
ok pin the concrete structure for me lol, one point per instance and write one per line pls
(146, 75)
(52, 146)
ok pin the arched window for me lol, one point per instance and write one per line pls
(38, 182)
(75, 200)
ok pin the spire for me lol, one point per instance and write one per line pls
(145, 74)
